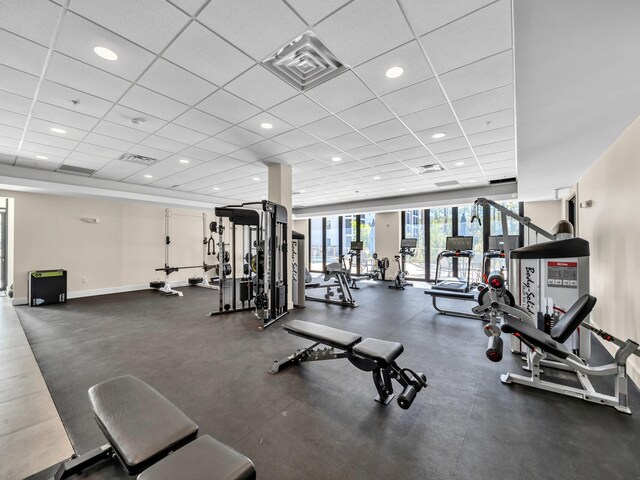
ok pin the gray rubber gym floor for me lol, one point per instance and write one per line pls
(319, 420)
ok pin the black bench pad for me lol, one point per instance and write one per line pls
(203, 459)
(323, 334)
(534, 336)
(451, 294)
(139, 423)
(381, 351)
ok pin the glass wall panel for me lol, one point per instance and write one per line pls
(315, 242)
(495, 219)
(333, 239)
(349, 233)
(414, 228)
(468, 229)
(440, 227)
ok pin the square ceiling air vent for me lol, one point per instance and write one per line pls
(305, 62)
(76, 170)
(432, 167)
(139, 159)
(448, 183)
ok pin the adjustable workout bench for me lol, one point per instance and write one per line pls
(369, 355)
(152, 438)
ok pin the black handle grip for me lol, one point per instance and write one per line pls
(405, 399)
(494, 348)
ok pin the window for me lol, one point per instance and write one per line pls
(495, 219)
(414, 224)
(315, 242)
(333, 239)
(349, 234)
(468, 229)
(440, 227)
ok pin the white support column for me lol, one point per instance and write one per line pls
(280, 186)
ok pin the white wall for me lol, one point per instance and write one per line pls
(120, 252)
(612, 228)
(544, 214)
(388, 236)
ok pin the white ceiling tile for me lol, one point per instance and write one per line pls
(299, 110)
(199, 154)
(261, 87)
(14, 103)
(61, 96)
(201, 122)
(246, 155)
(486, 102)
(399, 143)
(217, 146)
(408, 56)
(483, 75)
(48, 150)
(364, 29)
(257, 28)
(239, 136)
(489, 121)
(410, 153)
(349, 141)
(149, 23)
(476, 36)
(492, 136)
(366, 151)
(83, 77)
(204, 53)
(50, 164)
(313, 11)
(98, 150)
(149, 152)
(168, 79)
(17, 82)
(189, 6)
(429, 118)
(423, 159)
(448, 145)
(278, 126)
(224, 105)
(292, 158)
(169, 167)
(21, 54)
(268, 148)
(318, 150)
(117, 170)
(366, 114)
(45, 126)
(427, 16)
(63, 116)
(496, 157)
(181, 134)
(8, 149)
(123, 116)
(10, 132)
(79, 37)
(144, 100)
(341, 92)
(295, 139)
(420, 96)
(380, 160)
(12, 119)
(385, 130)
(461, 154)
(326, 128)
(115, 144)
(86, 160)
(35, 19)
(451, 130)
(162, 143)
(118, 131)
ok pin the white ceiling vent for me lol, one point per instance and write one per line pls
(139, 159)
(433, 167)
(449, 183)
(76, 170)
(305, 62)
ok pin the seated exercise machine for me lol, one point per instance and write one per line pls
(455, 249)
(335, 278)
(153, 439)
(354, 251)
(369, 355)
(375, 268)
(407, 248)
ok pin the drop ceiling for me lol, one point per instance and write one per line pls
(189, 84)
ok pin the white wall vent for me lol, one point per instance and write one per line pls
(76, 170)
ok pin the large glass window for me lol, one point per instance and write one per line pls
(414, 223)
(349, 234)
(440, 227)
(315, 242)
(495, 219)
(333, 239)
(468, 229)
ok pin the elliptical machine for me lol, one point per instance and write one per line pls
(407, 248)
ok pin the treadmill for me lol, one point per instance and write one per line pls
(458, 247)
(496, 250)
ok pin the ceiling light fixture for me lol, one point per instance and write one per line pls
(256, 179)
(459, 164)
(376, 177)
(105, 53)
(394, 72)
(336, 159)
(148, 176)
(42, 157)
(302, 191)
(472, 181)
(266, 125)
(439, 135)
(216, 189)
(183, 160)
(58, 130)
(402, 189)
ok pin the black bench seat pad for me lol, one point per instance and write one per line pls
(203, 459)
(139, 423)
(382, 351)
(323, 334)
(534, 336)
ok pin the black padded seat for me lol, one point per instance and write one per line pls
(320, 333)
(571, 320)
(203, 459)
(450, 294)
(534, 336)
(140, 424)
(383, 352)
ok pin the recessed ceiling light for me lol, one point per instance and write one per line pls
(58, 130)
(216, 188)
(256, 179)
(376, 178)
(459, 164)
(394, 72)
(402, 189)
(471, 181)
(302, 191)
(266, 125)
(105, 53)
(183, 160)
(439, 135)
(42, 157)
(336, 159)
(148, 176)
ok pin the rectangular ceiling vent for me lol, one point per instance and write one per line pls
(433, 167)
(304, 62)
(76, 170)
(139, 159)
(502, 180)
(448, 183)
